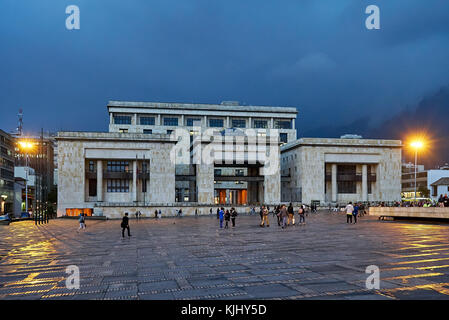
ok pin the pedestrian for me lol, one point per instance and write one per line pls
(227, 218)
(302, 218)
(277, 211)
(349, 210)
(261, 213)
(82, 222)
(356, 211)
(264, 214)
(155, 214)
(233, 216)
(284, 216)
(160, 214)
(210, 211)
(218, 213)
(125, 225)
(221, 216)
(291, 217)
(137, 215)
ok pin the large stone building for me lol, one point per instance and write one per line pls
(194, 156)
(333, 171)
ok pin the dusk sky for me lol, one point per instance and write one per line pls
(316, 55)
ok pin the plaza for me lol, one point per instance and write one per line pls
(191, 258)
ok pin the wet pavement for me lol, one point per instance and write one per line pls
(191, 258)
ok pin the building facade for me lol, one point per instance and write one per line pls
(425, 181)
(331, 171)
(6, 173)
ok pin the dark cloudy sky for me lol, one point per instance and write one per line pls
(315, 55)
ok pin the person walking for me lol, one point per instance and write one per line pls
(82, 222)
(227, 218)
(277, 211)
(218, 213)
(155, 214)
(291, 217)
(284, 216)
(160, 214)
(233, 216)
(349, 210)
(264, 214)
(125, 225)
(221, 217)
(356, 211)
(302, 218)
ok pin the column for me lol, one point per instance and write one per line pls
(135, 119)
(272, 123)
(228, 123)
(205, 183)
(134, 193)
(228, 195)
(334, 182)
(111, 118)
(250, 124)
(205, 121)
(182, 120)
(158, 120)
(364, 182)
(99, 180)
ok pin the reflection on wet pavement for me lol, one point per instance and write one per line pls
(193, 259)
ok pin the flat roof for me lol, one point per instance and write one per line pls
(200, 106)
(338, 142)
(114, 136)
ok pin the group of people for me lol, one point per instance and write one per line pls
(352, 211)
(226, 216)
(285, 215)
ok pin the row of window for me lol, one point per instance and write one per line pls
(213, 122)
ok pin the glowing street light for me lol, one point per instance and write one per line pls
(416, 145)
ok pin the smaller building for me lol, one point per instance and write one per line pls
(331, 171)
(440, 187)
(6, 173)
(425, 180)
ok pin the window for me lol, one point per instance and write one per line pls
(282, 124)
(122, 119)
(170, 121)
(92, 187)
(238, 123)
(217, 172)
(92, 166)
(193, 121)
(346, 183)
(121, 130)
(283, 137)
(118, 166)
(147, 131)
(260, 124)
(144, 185)
(239, 172)
(117, 185)
(147, 121)
(216, 123)
(169, 131)
(434, 191)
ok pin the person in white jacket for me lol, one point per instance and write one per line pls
(349, 211)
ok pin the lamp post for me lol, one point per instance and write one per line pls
(416, 145)
(25, 145)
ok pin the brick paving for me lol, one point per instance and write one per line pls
(191, 258)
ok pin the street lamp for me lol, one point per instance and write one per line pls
(416, 145)
(27, 146)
